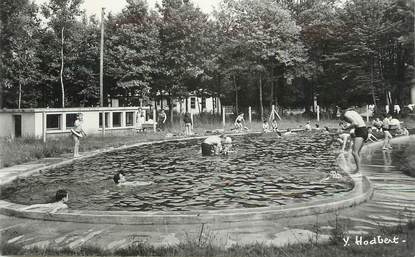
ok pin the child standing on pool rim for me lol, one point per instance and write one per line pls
(356, 122)
(77, 133)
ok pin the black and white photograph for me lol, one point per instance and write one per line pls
(207, 128)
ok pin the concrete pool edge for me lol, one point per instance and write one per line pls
(361, 192)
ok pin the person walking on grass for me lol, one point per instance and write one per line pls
(77, 132)
(356, 122)
(187, 124)
(162, 119)
(140, 120)
(386, 132)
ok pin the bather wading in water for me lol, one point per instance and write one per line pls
(357, 123)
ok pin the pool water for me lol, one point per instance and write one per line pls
(263, 171)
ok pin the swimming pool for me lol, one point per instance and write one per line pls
(264, 171)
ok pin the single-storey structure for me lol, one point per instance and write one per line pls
(193, 104)
(42, 122)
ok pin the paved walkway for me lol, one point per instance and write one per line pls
(393, 203)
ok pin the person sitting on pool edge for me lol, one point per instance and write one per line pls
(119, 180)
(265, 127)
(61, 197)
(212, 145)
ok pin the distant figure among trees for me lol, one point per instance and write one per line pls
(140, 120)
(187, 119)
(162, 119)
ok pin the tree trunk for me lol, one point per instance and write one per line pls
(161, 99)
(61, 73)
(261, 106)
(20, 95)
(236, 96)
(1, 95)
(371, 81)
(272, 89)
(171, 108)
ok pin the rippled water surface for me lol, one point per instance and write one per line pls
(263, 171)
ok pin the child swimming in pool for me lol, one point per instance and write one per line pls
(119, 180)
(61, 197)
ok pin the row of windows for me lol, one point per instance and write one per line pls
(54, 121)
(192, 103)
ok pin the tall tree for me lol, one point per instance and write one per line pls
(62, 15)
(19, 28)
(132, 51)
(182, 45)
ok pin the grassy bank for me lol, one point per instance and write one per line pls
(23, 150)
(404, 247)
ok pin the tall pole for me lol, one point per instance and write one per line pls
(101, 72)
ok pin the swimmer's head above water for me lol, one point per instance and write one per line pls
(118, 178)
(61, 195)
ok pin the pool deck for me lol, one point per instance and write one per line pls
(393, 203)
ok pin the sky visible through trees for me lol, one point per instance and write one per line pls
(248, 53)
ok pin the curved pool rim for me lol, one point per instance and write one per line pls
(361, 192)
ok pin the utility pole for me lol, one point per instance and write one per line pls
(101, 72)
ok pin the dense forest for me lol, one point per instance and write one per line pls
(247, 52)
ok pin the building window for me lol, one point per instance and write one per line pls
(193, 103)
(53, 121)
(129, 119)
(203, 103)
(116, 119)
(70, 120)
(106, 119)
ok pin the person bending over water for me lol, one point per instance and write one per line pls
(360, 134)
(61, 197)
(119, 180)
(239, 122)
(212, 145)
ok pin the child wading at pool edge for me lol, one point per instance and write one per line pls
(61, 197)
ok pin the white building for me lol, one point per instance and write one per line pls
(45, 122)
(193, 104)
